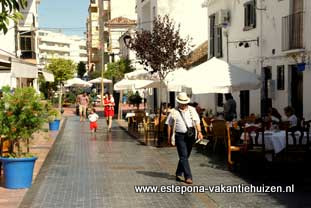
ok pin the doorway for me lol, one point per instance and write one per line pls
(297, 90)
(266, 102)
(244, 103)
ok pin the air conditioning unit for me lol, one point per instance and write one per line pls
(222, 18)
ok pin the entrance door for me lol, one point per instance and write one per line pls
(297, 91)
(244, 103)
(266, 102)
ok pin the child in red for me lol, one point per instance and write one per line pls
(93, 117)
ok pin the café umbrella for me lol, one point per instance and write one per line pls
(218, 76)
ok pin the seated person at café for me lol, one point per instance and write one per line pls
(291, 117)
(199, 110)
(274, 115)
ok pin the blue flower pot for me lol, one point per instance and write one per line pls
(18, 172)
(54, 125)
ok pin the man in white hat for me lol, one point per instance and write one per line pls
(184, 123)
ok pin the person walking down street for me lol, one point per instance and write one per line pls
(109, 109)
(229, 108)
(83, 102)
(184, 126)
(93, 117)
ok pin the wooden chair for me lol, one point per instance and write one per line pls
(159, 131)
(231, 147)
(300, 144)
(219, 132)
(253, 145)
(149, 129)
(206, 122)
(5, 146)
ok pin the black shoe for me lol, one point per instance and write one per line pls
(179, 178)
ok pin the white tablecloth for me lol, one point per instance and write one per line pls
(129, 115)
(276, 140)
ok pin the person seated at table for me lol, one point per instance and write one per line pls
(274, 116)
(199, 110)
(291, 117)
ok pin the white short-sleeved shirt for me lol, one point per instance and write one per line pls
(191, 117)
(93, 117)
(292, 120)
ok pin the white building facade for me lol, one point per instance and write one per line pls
(19, 50)
(58, 45)
(270, 42)
(193, 24)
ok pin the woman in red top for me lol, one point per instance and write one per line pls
(109, 109)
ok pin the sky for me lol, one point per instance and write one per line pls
(71, 14)
(64, 14)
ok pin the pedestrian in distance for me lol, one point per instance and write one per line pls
(109, 109)
(184, 126)
(83, 102)
(93, 117)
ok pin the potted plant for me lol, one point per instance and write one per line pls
(135, 100)
(54, 117)
(21, 114)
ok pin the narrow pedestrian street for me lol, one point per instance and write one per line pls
(101, 171)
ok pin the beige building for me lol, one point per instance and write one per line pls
(93, 36)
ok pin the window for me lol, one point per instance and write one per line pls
(215, 38)
(93, 1)
(250, 15)
(220, 100)
(280, 77)
(25, 43)
(94, 9)
(212, 35)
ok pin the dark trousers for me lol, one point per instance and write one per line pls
(184, 147)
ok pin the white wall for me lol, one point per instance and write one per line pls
(271, 33)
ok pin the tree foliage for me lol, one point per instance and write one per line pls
(162, 49)
(10, 10)
(62, 69)
(81, 69)
(117, 69)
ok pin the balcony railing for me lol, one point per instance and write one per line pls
(28, 55)
(292, 31)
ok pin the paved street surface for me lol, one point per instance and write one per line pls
(86, 171)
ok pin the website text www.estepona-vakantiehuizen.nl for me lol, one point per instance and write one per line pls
(221, 188)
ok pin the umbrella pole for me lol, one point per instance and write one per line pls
(120, 105)
(60, 98)
(102, 87)
(160, 113)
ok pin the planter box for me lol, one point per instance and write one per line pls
(18, 172)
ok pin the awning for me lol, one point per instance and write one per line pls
(24, 70)
(5, 62)
(49, 77)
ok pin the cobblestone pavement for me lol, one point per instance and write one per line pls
(101, 171)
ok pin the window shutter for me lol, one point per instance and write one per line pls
(219, 42)
(212, 36)
(246, 15)
(254, 13)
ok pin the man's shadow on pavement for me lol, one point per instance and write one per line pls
(157, 174)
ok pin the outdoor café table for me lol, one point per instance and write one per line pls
(274, 140)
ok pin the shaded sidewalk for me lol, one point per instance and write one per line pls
(40, 146)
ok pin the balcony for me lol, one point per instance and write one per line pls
(28, 55)
(292, 31)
